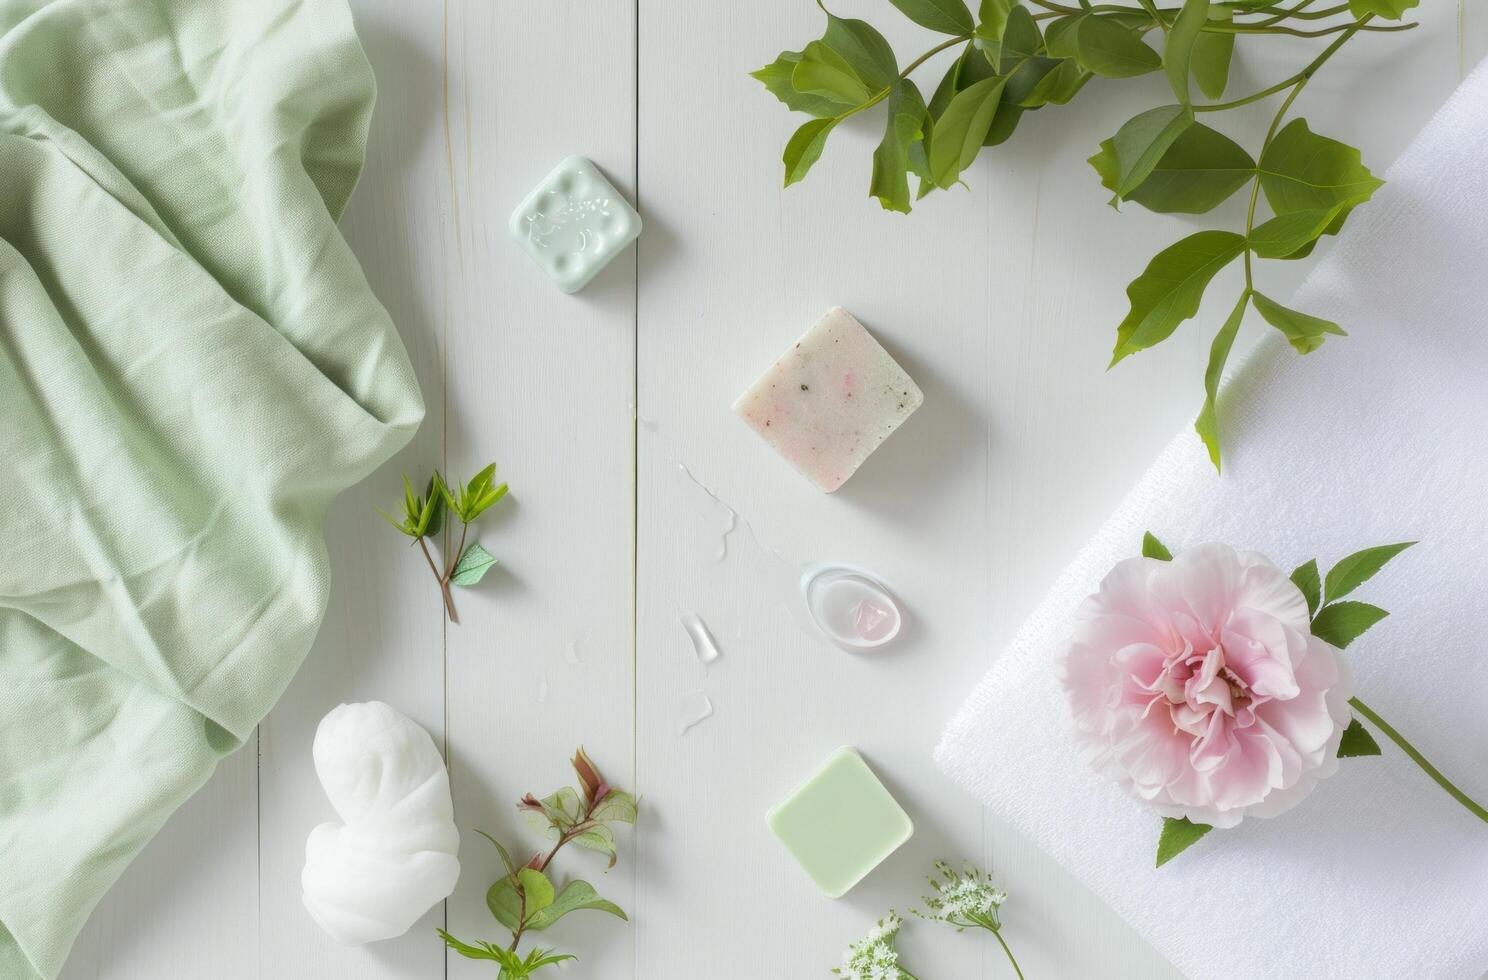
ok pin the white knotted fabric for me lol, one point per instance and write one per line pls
(392, 855)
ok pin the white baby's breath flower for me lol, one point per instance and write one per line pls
(874, 957)
(964, 899)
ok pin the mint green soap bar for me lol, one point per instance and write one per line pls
(574, 223)
(840, 823)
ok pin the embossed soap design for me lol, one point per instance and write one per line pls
(831, 400)
(573, 223)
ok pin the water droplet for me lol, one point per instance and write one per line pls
(853, 609)
(726, 517)
(695, 708)
(542, 691)
(702, 640)
(572, 654)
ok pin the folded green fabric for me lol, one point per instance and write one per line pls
(192, 366)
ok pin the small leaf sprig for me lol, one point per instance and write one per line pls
(1016, 58)
(424, 518)
(525, 899)
(968, 899)
(1338, 622)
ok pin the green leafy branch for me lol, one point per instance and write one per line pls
(1337, 622)
(525, 899)
(1013, 61)
(424, 519)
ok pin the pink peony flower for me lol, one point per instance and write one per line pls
(1198, 686)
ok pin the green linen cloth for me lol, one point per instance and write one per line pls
(192, 366)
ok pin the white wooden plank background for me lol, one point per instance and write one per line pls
(999, 300)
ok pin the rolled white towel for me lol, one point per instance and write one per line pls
(393, 854)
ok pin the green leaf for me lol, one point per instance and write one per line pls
(485, 951)
(1304, 331)
(1128, 158)
(506, 860)
(537, 891)
(1199, 171)
(505, 902)
(563, 809)
(400, 526)
(1388, 9)
(826, 73)
(482, 481)
(1108, 47)
(473, 565)
(1058, 86)
(1360, 567)
(945, 16)
(435, 504)
(1212, 54)
(805, 148)
(1357, 741)
(576, 895)
(1061, 34)
(1341, 623)
(992, 19)
(1302, 171)
(617, 805)
(1153, 548)
(1288, 234)
(906, 124)
(1207, 425)
(1020, 41)
(1305, 578)
(598, 838)
(1178, 834)
(1025, 77)
(958, 133)
(969, 69)
(949, 85)
(1178, 52)
(1169, 290)
(778, 78)
(864, 49)
(539, 957)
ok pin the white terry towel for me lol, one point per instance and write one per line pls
(1378, 437)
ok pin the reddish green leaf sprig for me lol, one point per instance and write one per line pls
(526, 899)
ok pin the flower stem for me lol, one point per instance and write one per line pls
(1009, 951)
(1419, 759)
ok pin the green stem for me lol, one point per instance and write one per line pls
(1351, 27)
(1009, 951)
(958, 39)
(1420, 760)
(449, 600)
(1298, 11)
(1255, 187)
(1301, 76)
(454, 557)
(883, 93)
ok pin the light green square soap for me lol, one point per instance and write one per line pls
(840, 823)
(574, 223)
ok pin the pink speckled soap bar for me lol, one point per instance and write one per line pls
(831, 400)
